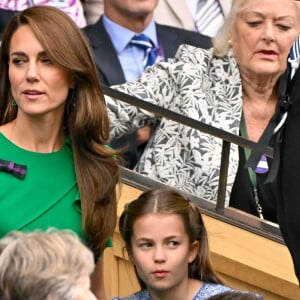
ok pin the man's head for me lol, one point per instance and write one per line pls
(129, 13)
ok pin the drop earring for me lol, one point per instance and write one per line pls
(14, 103)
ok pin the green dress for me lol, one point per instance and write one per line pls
(48, 196)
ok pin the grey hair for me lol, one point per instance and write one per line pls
(221, 42)
(38, 265)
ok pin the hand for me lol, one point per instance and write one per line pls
(143, 134)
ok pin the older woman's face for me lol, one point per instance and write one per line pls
(263, 34)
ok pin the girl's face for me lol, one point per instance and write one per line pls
(38, 86)
(161, 251)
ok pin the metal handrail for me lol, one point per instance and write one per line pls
(227, 137)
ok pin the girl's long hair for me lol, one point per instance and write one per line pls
(171, 202)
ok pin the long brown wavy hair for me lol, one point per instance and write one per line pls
(85, 120)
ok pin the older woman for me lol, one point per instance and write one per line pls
(55, 168)
(232, 86)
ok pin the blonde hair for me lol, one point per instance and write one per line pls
(37, 264)
(221, 42)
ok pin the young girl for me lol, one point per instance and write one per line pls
(167, 242)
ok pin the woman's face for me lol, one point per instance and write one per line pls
(161, 251)
(263, 34)
(38, 86)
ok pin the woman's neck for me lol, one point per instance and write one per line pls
(259, 103)
(36, 136)
(261, 88)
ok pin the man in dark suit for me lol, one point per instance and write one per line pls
(119, 60)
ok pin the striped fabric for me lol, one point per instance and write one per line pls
(294, 58)
(209, 17)
(144, 42)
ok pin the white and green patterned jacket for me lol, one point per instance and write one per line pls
(195, 84)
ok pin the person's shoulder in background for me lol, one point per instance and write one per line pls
(183, 36)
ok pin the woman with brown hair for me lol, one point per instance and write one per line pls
(55, 167)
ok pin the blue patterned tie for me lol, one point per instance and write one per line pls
(145, 43)
(294, 58)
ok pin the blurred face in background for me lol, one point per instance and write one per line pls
(125, 11)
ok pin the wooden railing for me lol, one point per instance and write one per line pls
(248, 252)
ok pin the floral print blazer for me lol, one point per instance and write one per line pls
(195, 84)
